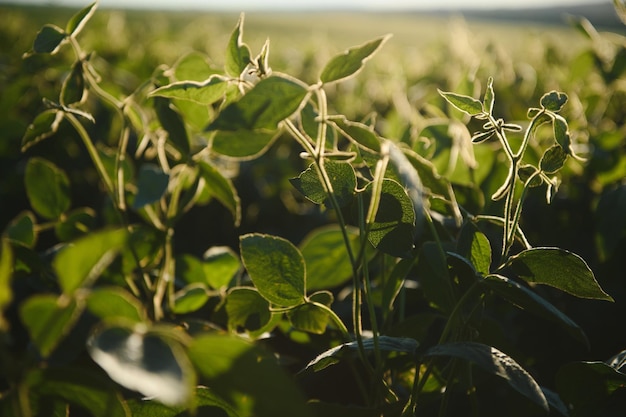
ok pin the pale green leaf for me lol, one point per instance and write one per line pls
(464, 103)
(207, 92)
(351, 61)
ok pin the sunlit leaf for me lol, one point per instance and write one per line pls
(237, 53)
(310, 317)
(362, 135)
(220, 266)
(350, 62)
(475, 246)
(558, 268)
(80, 19)
(276, 268)
(47, 187)
(207, 92)
(342, 178)
(553, 101)
(115, 303)
(173, 123)
(464, 103)
(489, 98)
(553, 159)
(190, 298)
(242, 144)
(248, 310)
(497, 363)
(45, 125)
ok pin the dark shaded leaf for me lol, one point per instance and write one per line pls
(342, 178)
(45, 125)
(74, 88)
(237, 52)
(173, 124)
(21, 230)
(222, 189)
(190, 298)
(553, 101)
(151, 185)
(80, 19)
(358, 133)
(553, 159)
(49, 39)
(242, 144)
(111, 303)
(47, 187)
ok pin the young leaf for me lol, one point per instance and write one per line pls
(111, 303)
(45, 125)
(497, 363)
(558, 268)
(21, 230)
(145, 362)
(276, 268)
(342, 178)
(326, 258)
(222, 189)
(309, 317)
(242, 144)
(272, 100)
(80, 19)
(562, 135)
(47, 187)
(553, 159)
(247, 310)
(206, 93)
(49, 39)
(80, 263)
(48, 319)
(466, 104)
(151, 185)
(474, 245)
(553, 101)
(489, 98)
(526, 299)
(351, 61)
(237, 53)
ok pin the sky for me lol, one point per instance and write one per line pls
(252, 5)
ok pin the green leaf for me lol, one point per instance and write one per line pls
(558, 268)
(358, 133)
(74, 88)
(586, 386)
(433, 276)
(480, 137)
(526, 299)
(309, 317)
(326, 258)
(553, 159)
(75, 224)
(194, 66)
(110, 303)
(242, 144)
(562, 135)
(342, 179)
(222, 189)
(474, 245)
(237, 53)
(248, 310)
(80, 19)
(151, 185)
(489, 98)
(146, 362)
(6, 272)
(45, 125)
(48, 319)
(22, 231)
(553, 101)
(276, 268)
(190, 298)
(270, 101)
(464, 103)
(497, 363)
(49, 39)
(173, 123)
(84, 388)
(394, 224)
(525, 173)
(609, 219)
(80, 263)
(47, 187)
(385, 343)
(207, 92)
(221, 264)
(351, 61)
(247, 377)
(207, 404)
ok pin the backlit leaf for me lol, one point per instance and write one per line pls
(75, 224)
(190, 298)
(553, 101)
(351, 61)
(173, 123)
(489, 98)
(222, 189)
(206, 92)
(276, 268)
(464, 103)
(558, 268)
(47, 187)
(247, 310)
(220, 266)
(78, 21)
(237, 53)
(45, 125)
(497, 363)
(74, 89)
(49, 39)
(115, 303)
(474, 245)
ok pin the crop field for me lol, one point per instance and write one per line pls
(312, 214)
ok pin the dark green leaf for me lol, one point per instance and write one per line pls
(151, 185)
(78, 21)
(562, 135)
(222, 189)
(247, 377)
(74, 89)
(207, 402)
(276, 268)
(207, 92)
(270, 101)
(242, 144)
(49, 39)
(525, 173)
(145, 362)
(360, 134)
(173, 124)
(497, 363)
(553, 101)
(21, 230)
(350, 61)
(553, 159)
(394, 224)
(385, 343)
(326, 258)
(432, 274)
(237, 53)
(464, 103)
(480, 137)
(190, 298)
(47, 187)
(558, 268)
(48, 319)
(115, 303)
(80, 263)
(309, 317)
(342, 178)
(248, 310)
(75, 224)
(45, 125)
(526, 299)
